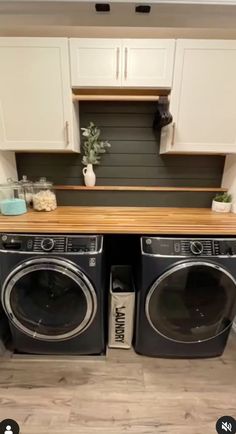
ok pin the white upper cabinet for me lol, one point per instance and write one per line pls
(36, 109)
(203, 99)
(95, 62)
(122, 62)
(148, 62)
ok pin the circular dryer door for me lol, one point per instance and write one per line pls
(192, 302)
(49, 299)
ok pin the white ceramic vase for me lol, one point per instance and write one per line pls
(89, 176)
(221, 206)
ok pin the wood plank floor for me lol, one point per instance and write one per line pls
(124, 393)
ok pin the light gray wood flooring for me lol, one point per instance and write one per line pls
(124, 393)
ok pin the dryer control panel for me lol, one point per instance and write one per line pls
(76, 244)
(160, 246)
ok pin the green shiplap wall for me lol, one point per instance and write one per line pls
(133, 160)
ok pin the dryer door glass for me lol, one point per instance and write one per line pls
(50, 301)
(192, 302)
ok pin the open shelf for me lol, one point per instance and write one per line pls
(138, 188)
(119, 94)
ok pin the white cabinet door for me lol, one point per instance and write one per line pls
(36, 109)
(95, 62)
(203, 98)
(148, 62)
(125, 63)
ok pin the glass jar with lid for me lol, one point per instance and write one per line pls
(28, 189)
(11, 190)
(6, 192)
(12, 201)
(44, 198)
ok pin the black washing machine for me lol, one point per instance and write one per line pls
(53, 292)
(186, 296)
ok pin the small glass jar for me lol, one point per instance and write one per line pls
(28, 190)
(44, 198)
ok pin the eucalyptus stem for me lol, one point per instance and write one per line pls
(92, 146)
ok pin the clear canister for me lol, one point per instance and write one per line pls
(10, 193)
(28, 190)
(11, 190)
(44, 198)
(6, 192)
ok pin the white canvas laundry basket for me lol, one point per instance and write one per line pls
(121, 307)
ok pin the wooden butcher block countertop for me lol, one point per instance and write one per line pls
(126, 220)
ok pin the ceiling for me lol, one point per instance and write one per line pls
(224, 2)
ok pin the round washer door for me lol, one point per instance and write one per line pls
(49, 299)
(192, 302)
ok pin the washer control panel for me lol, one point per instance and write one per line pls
(82, 244)
(77, 244)
(188, 246)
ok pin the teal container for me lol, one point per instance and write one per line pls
(13, 206)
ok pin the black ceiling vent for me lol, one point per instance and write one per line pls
(143, 9)
(102, 7)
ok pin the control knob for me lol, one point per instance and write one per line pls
(196, 247)
(47, 244)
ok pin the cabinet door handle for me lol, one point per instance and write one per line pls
(117, 63)
(173, 134)
(67, 133)
(126, 62)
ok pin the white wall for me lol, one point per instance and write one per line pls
(115, 32)
(72, 18)
(229, 176)
(7, 166)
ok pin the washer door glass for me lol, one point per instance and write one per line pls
(50, 300)
(192, 302)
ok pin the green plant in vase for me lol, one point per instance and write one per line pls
(222, 202)
(93, 149)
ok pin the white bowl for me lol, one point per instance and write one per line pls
(233, 208)
(221, 206)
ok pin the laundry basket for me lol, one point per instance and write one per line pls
(121, 307)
